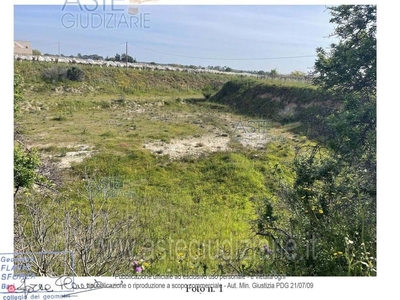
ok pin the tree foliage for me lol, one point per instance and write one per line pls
(298, 74)
(350, 65)
(90, 56)
(273, 73)
(122, 58)
(332, 228)
(36, 52)
(350, 71)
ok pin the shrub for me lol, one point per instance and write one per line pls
(26, 163)
(75, 74)
(55, 74)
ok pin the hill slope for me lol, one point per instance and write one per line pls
(50, 77)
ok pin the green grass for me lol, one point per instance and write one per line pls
(200, 201)
(118, 81)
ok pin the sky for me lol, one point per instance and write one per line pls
(243, 37)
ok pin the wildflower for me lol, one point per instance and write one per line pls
(137, 266)
(348, 241)
(320, 211)
(334, 254)
(340, 253)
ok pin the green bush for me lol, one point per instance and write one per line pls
(54, 74)
(26, 163)
(75, 74)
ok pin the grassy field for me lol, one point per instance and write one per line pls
(190, 213)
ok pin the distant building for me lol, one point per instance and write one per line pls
(22, 48)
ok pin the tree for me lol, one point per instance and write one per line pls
(349, 70)
(36, 52)
(350, 65)
(228, 69)
(273, 73)
(117, 57)
(130, 58)
(298, 74)
(92, 56)
(333, 197)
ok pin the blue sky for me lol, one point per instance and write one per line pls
(236, 36)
